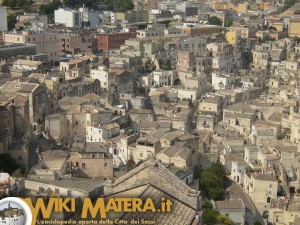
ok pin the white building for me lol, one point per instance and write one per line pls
(107, 17)
(192, 94)
(106, 78)
(161, 77)
(222, 81)
(3, 19)
(102, 133)
(26, 64)
(120, 148)
(234, 209)
(68, 17)
(237, 172)
(89, 16)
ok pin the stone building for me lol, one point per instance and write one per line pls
(37, 97)
(234, 209)
(91, 160)
(46, 43)
(11, 215)
(261, 188)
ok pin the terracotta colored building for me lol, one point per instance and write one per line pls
(114, 40)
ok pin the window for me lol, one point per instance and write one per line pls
(141, 155)
(105, 165)
(20, 157)
(83, 165)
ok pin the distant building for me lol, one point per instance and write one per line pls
(67, 17)
(108, 41)
(200, 29)
(3, 19)
(234, 209)
(133, 16)
(14, 50)
(73, 43)
(46, 43)
(294, 27)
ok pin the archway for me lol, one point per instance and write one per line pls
(292, 190)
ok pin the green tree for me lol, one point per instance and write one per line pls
(9, 3)
(212, 181)
(214, 21)
(212, 185)
(49, 8)
(11, 22)
(18, 172)
(290, 3)
(17, 3)
(165, 64)
(222, 219)
(107, 5)
(123, 5)
(257, 223)
(228, 22)
(210, 217)
(207, 205)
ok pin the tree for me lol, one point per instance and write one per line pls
(11, 22)
(228, 22)
(123, 5)
(290, 3)
(218, 169)
(207, 205)
(222, 219)
(165, 64)
(214, 21)
(49, 8)
(257, 223)
(212, 181)
(107, 5)
(18, 172)
(17, 3)
(210, 217)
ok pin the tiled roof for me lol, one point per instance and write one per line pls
(230, 204)
(54, 154)
(181, 213)
(73, 184)
(160, 170)
(267, 177)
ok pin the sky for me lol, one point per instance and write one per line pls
(13, 205)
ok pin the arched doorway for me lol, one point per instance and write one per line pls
(292, 190)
